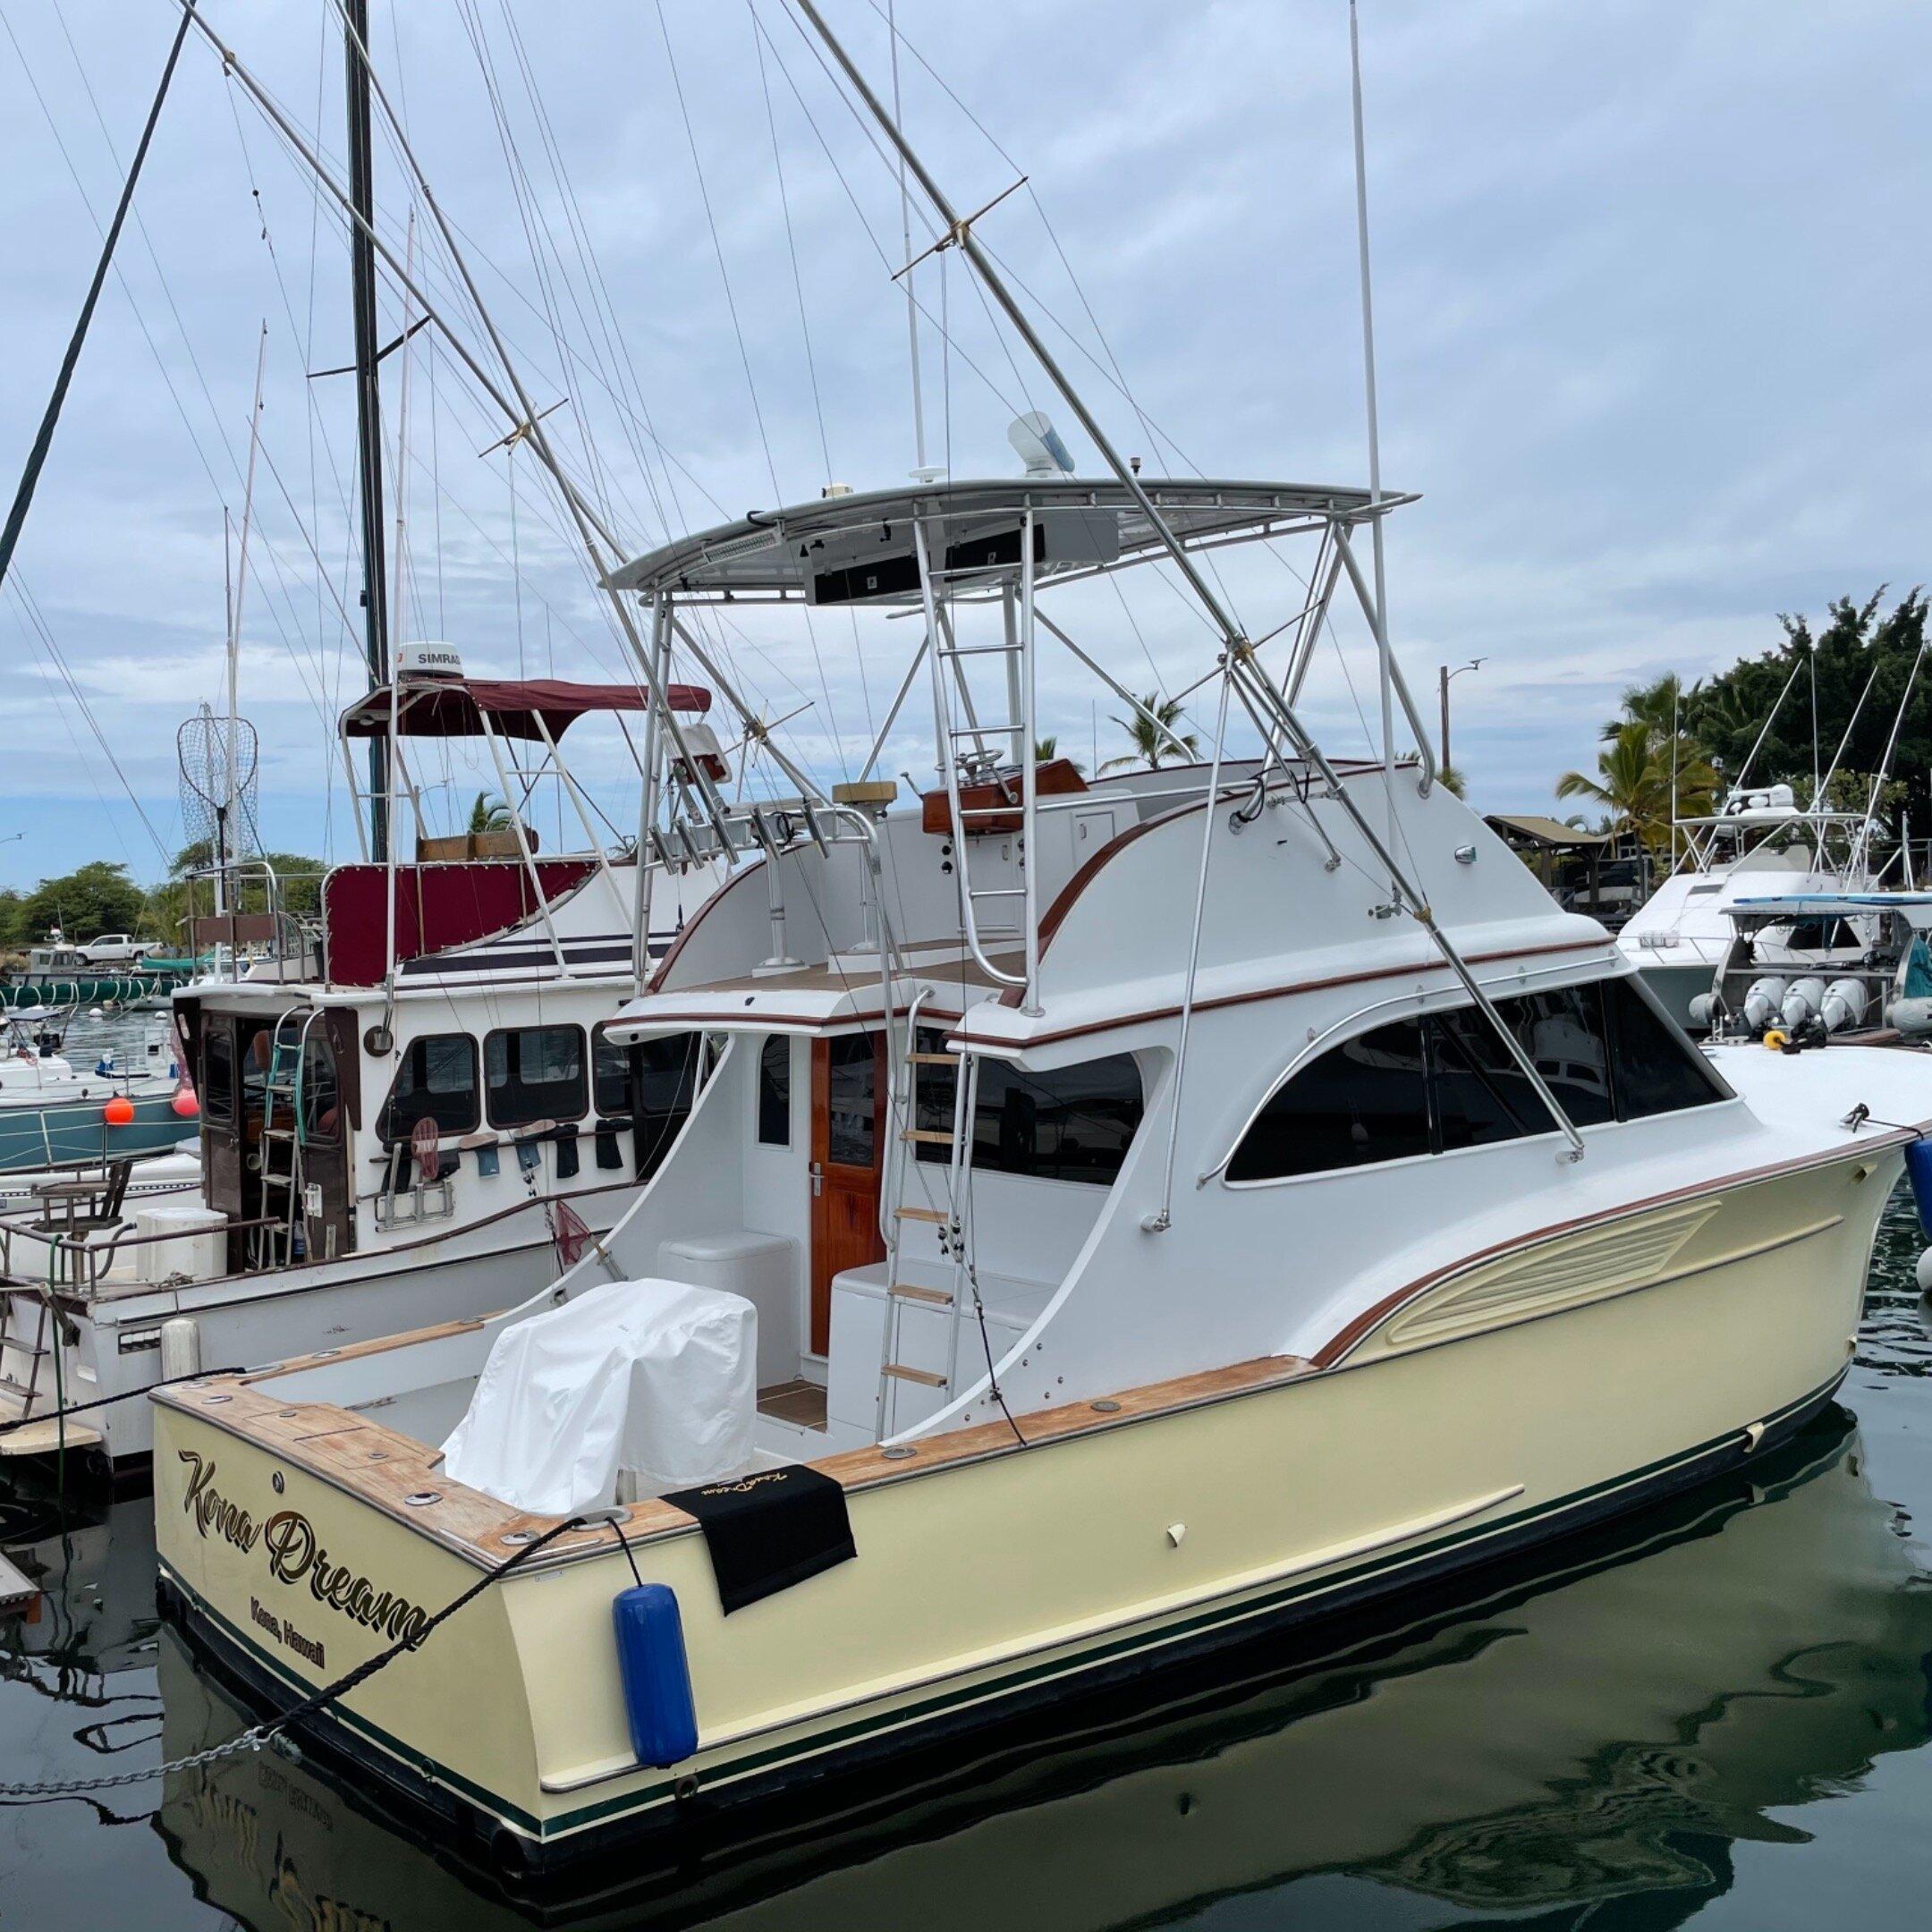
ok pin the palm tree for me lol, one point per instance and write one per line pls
(1152, 744)
(489, 813)
(1633, 781)
(1048, 749)
(1453, 780)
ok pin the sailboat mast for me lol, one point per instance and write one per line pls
(368, 402)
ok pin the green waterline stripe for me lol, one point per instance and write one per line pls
(1207, 1618)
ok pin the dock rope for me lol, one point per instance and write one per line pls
(273, 1730)
(107, 1402)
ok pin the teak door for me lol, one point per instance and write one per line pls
(848, 1135)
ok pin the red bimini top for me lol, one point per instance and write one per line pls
(516, 708)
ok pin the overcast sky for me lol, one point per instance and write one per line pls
(1650, 294)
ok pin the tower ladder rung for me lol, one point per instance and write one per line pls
(931, 1215)
(925, 1378)
(913, 1292)
(931, 1136)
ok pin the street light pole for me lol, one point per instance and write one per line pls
(1443, 675)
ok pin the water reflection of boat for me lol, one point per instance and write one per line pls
(1606, 1728)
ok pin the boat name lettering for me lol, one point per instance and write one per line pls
(748, 1482)
(295, 1555)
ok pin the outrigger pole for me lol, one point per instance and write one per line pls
(37, 456)
(523, 415)
(1239, 655)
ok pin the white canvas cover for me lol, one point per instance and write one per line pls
(655, 1377)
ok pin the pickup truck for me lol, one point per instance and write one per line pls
(113, 949)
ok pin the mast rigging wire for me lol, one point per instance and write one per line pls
(42, 441)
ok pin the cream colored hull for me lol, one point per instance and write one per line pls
(1507, 1400)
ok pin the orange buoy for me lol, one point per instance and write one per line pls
(185, 1104)
(119, 1112)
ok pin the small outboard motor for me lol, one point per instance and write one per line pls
(1707, 1012)
(1843, 1005)
(1803, 1001)
(1763, 1001)
(1911, 1017)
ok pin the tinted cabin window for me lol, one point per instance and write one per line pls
(610, 1076)
(1562, 1033)
(217, 1077)
(1363, 1101)
(1657, 1070)
(1075, 1123)
(535, 1074)
(1604, 1048)
(437, 1081)
(664, 1073)
(851, 1101)
(775, 1092)
(1479, 1092)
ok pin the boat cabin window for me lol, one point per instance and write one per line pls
(1447, 1080)
(610, 1075)
(1657, 1070)
(774, 1092)
(1364, 1101)
(535, 1074)
(217, 1074)
(437, 1081)
(321, 1093)
(1074, 1124)
(664, 1073)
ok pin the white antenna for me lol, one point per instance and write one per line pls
(397, 627)
(905, 231)
(234, 616)
(1375, 440)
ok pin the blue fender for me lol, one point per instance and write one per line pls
(656, 1674)
(1919, 1167)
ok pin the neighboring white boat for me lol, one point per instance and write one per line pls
(1759, 846)
(401, 1120)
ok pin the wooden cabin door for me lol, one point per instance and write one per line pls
(848, 1151)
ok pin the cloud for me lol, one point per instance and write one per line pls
(1647, 330)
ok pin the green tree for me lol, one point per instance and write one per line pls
(95, 898)
(187, 893)
(1150, 744)
(1048, 749)
(489, 813)
(1633, 782)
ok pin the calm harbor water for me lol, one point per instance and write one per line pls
(1718, 1711)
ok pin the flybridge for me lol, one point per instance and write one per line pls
(861, 548)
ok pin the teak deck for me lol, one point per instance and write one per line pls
(385, 1468)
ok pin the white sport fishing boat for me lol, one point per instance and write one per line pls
(1759, 844)
(1113, 1216)
(410, 1112)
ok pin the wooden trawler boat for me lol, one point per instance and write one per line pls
(409, 1111)
(1111, 1217)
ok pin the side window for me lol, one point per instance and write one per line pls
(774, 1092)
(321, 1094)
(610, 1076)
(1562, 1033)
(1075, 1123)
(1657, 1070)
(1366, 1100)
(1481, 1095)
(217, 1075)
(437, 1080)
(535, 1074)
(664, 1074)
